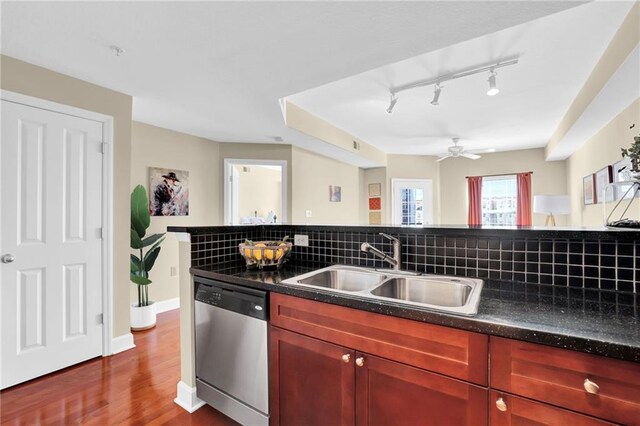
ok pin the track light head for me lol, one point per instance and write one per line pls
(436, 94)
(392, 103)
(493, 89)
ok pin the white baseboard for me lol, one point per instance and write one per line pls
(167, 305)
(187, 397)
(122, 343)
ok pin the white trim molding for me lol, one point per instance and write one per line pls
(167, 305)
(187, 397)
(122, 343)
(228, 185)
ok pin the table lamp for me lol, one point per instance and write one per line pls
(550, 205)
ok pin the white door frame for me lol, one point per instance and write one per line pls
(229, 184)
(428, 213)
(107, 198)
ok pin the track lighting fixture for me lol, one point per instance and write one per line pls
(493, 89)
(436, 94)
(392, 103)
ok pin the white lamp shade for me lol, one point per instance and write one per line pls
(551, 204)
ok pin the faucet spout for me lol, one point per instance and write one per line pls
(393, 260)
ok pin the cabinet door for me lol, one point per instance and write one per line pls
(312, 381)
(390, 393)
(509, 410)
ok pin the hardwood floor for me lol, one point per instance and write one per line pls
(133, 387)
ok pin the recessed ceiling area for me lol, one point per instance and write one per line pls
(556, 55)
(218, 69)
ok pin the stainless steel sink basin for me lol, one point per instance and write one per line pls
(425, 290)
(342, 278)
(435, 292)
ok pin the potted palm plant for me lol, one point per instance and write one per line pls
(143, 314)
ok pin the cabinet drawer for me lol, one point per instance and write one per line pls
(518, 411)
(449, 351)
(591, 384)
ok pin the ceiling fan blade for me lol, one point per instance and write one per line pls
(470, 155)
(444, 157)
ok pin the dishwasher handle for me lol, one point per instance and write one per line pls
(243, 300)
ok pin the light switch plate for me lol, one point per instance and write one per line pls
(308, 213)
(301, 240)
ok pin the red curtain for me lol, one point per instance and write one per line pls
(523, 208)
(475, 200)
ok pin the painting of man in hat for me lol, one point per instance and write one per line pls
(169, 192)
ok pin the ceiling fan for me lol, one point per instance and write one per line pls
(458, 151)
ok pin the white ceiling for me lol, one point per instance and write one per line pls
(557, 53)
(217, 69)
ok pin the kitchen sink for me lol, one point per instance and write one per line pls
(434, 292)
(431, 291)
(343, 279)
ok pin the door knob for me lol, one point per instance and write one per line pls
(360, 361)
(8, 258)
(346, 358)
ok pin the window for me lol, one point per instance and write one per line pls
(412, 206)
(499, 200)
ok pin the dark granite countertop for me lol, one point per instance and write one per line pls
(525, 312)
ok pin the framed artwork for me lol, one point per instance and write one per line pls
(335, 194)
(375, 218)
(168, 192)
(603, 178)
(622, 173)
(589, 189)
(375, 203)
(375, 190)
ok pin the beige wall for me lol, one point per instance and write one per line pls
(157, 147)
(601, 150)
(250, 151)
(312, 175)
(31, 80)
(260, 191)
(368, 176)
(549, 178)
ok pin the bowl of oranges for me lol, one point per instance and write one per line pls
(263, 254)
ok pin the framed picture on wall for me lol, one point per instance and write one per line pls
(603, 178)
(589, 189)
(622, 173)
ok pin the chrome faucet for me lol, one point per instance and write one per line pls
(393, 260)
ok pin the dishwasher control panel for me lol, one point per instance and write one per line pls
(242, 300)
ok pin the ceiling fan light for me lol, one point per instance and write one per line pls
(392, 103)
(436, 95)
(493, 88)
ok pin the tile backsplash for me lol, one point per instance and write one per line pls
(606, 264)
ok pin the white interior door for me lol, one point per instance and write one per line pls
(50, 247)
(412, 202)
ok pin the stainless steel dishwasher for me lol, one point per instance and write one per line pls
(231, 350)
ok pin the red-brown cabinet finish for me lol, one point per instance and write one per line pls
(311, 382)
(452, 352)
(590, 384)
(509, 410)
(390, 393)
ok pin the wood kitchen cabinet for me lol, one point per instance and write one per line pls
(318, 383)
(509, 410)
(311, 381)
(390, 393)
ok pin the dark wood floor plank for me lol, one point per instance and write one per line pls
(135, 387)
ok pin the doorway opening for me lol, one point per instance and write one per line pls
(255, 191)
(412, 203)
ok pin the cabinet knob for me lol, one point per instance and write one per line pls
(501, 405)
(360, 361)
(346, 358)
(591, 387)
